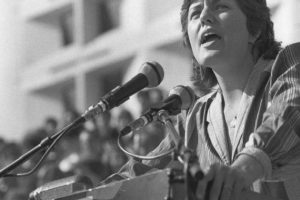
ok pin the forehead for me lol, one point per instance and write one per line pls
(199, 3)
(209, 1)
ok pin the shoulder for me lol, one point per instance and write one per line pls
(286, 61)
(289, 55)
(294, 48)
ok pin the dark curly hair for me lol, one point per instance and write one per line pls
(258, 23)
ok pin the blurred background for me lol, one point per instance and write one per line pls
(58, 57)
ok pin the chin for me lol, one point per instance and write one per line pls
(210, 59)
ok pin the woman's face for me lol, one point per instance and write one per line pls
(218, 33)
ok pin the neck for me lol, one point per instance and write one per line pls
(233, 81)
(232, 90)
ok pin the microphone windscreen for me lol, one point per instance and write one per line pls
(186, 95)
(154, 73)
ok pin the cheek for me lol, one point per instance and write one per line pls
(193, 29)
(237, 33)
(238, 26)
(193, 39)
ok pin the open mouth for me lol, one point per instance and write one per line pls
(209, 37)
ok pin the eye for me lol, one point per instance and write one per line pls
(221, 7)
(195, 15)
(195, 11)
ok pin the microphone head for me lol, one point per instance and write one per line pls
(154, 73)
(186, 95)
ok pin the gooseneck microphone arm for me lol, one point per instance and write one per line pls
(151, 75)
(191, 170)
(164, 117)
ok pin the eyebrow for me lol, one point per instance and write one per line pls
(202, 1)
(215, 1)
(197, 6)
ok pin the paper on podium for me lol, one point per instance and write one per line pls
(151, 186)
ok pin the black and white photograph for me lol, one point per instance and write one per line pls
(149, 100)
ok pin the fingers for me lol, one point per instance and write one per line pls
(226, 183)
(238, 187)
(216, 189)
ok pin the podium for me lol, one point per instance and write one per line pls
(151, 186)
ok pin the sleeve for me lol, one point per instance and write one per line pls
(278, 135)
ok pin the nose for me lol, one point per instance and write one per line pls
(206, 16)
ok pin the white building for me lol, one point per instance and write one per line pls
(37, 70)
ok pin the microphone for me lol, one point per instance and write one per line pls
(151, 74)
(180, 98)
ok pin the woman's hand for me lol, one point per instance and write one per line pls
(221, 182)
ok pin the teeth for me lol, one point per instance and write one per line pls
(206, 36)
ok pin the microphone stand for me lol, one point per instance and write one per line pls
(43, 144)
(191, 169)
(92, 111)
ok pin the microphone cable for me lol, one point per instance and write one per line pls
(140, 157)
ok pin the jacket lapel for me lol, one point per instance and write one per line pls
(217, 129)
(252, 86)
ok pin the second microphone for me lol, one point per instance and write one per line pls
(180, 98)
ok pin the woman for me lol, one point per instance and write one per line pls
(244, 122)
(245, 127)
